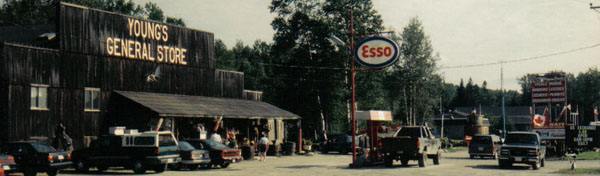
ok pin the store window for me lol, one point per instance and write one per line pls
(39, 97)
(92, 99)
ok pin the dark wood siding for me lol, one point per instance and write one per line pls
(82, 62)
(83, 30)
(230, 84)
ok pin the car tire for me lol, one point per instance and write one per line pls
(138, 167)
(536, 165)
(80, 166)
(389, 161)
(29, 171)
(160, 168)
(192, 166)
(344, 151)
(436, 158)
(51, 172)
(205, 166)
(324, 151)
(224, 165)
(472, 156)
(102, 168)
(422, 159)
(404, 161)
(176, 166)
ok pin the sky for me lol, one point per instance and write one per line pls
(462, 32)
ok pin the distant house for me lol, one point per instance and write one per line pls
(455, 121)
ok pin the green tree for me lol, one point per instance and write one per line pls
(321, 87)
(416, 70)
(34, 12)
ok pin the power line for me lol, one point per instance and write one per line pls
(523, 59)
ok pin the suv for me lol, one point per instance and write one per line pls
(341, 143)
(33, 157)
(522, 147)
(484, 145)
(411, 143)
(139, 152)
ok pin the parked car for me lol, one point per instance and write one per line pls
(7, 163)
(341, 143)
(140, 152)
(522, 147)
(220, 154)
(34, 156)
(190, 157)
(484, 146)
(411, 143)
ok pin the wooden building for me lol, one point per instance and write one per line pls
(108, 69)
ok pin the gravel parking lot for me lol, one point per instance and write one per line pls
(335, 164)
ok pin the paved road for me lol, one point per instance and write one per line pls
(335, 164)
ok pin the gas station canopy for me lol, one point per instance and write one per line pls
(374, 115)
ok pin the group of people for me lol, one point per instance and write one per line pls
(263, 143)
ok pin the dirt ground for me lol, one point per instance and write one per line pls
(335, 164)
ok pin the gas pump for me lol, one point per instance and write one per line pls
(374, 119)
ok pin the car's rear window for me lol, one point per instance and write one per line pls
(42, 148)
(144, 140)
(166, 140)
(482, 139)
(215, 145)
(185, 146)
(412, 132)
(521, 139)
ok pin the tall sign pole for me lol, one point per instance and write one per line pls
(375, 53)
(502, 91)
(353, 101)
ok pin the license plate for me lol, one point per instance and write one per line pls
(233, 160)
(170, 160)
(518, 159)
(60, 157)
(480, 148)
(5, 168)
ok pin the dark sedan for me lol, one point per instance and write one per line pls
(191, 157)
(220, 155)
(33, 157)
(7, 163)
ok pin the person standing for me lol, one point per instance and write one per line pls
(263, 146)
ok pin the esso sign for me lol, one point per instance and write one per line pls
(376, 52)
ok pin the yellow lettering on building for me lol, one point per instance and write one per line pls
(116, 46)
(124, 48)
(164, 31)
(138, 48)
(136, 28)
(109, 46)
(160, 53)
(130, 24)
(183, 51)
(130, 46)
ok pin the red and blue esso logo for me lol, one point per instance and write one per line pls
(376, 52)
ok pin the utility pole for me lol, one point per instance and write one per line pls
(442, 113)
(502, 92)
